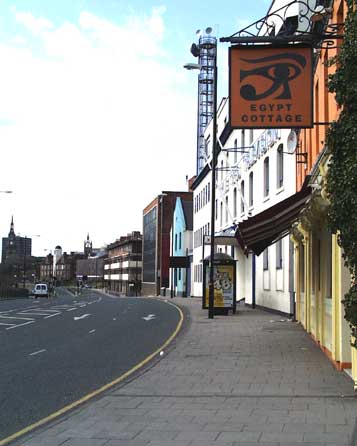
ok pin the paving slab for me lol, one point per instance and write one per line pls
(247, 379)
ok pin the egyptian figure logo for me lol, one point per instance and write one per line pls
(280, 69)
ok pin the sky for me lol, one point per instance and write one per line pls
(97, 114)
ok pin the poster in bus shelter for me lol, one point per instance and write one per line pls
(223, 286)
(270, 87)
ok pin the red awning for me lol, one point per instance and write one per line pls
(263, 229)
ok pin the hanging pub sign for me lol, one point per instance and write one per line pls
(270, 87)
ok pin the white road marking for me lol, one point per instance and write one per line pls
(72, 309)
(92, 331)
(149, 317)
(19, 318)
(81, 317)
(36, 353)
(52, 315)
(39, 312)
(20, 325)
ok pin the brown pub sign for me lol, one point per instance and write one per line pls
(270, 87)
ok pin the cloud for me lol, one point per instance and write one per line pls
(102, 122)
(34, 24)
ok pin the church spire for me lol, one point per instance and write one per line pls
(88, 246)
(12, 232)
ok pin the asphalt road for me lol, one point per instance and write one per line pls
(55, 351)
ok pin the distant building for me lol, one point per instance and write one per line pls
(182, 247)
(122, 267)
(15, 246)
(157, 222)
(63, 266)
(46, 269)
(91, 269)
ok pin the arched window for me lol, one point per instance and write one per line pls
(234, 202)
(251, 190)
(227, 209)
(280, 167)
(266, 177)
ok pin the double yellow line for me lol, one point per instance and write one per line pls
(102, 389)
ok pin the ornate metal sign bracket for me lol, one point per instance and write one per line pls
(295, 22)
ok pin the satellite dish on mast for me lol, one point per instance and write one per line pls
(208, 30)
(291, 142)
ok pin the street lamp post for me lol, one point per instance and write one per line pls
(96, 272)
(193, 66)
(213, 194)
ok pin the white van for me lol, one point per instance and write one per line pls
(40, 290)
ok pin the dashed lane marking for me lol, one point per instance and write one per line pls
(38, 352)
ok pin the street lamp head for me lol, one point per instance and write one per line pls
(195, 51)
(192, 66)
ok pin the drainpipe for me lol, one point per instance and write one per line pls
(291, 281)
(253, 280)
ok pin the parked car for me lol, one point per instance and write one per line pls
(40, 290)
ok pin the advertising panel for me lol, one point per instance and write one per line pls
(270, 87)
(223, 286)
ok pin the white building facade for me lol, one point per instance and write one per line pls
(254, 172)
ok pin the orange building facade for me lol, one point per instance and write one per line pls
(321, 279)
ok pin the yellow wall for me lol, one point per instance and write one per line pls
(323, 312)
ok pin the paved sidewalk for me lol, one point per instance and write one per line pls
(243, 380)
